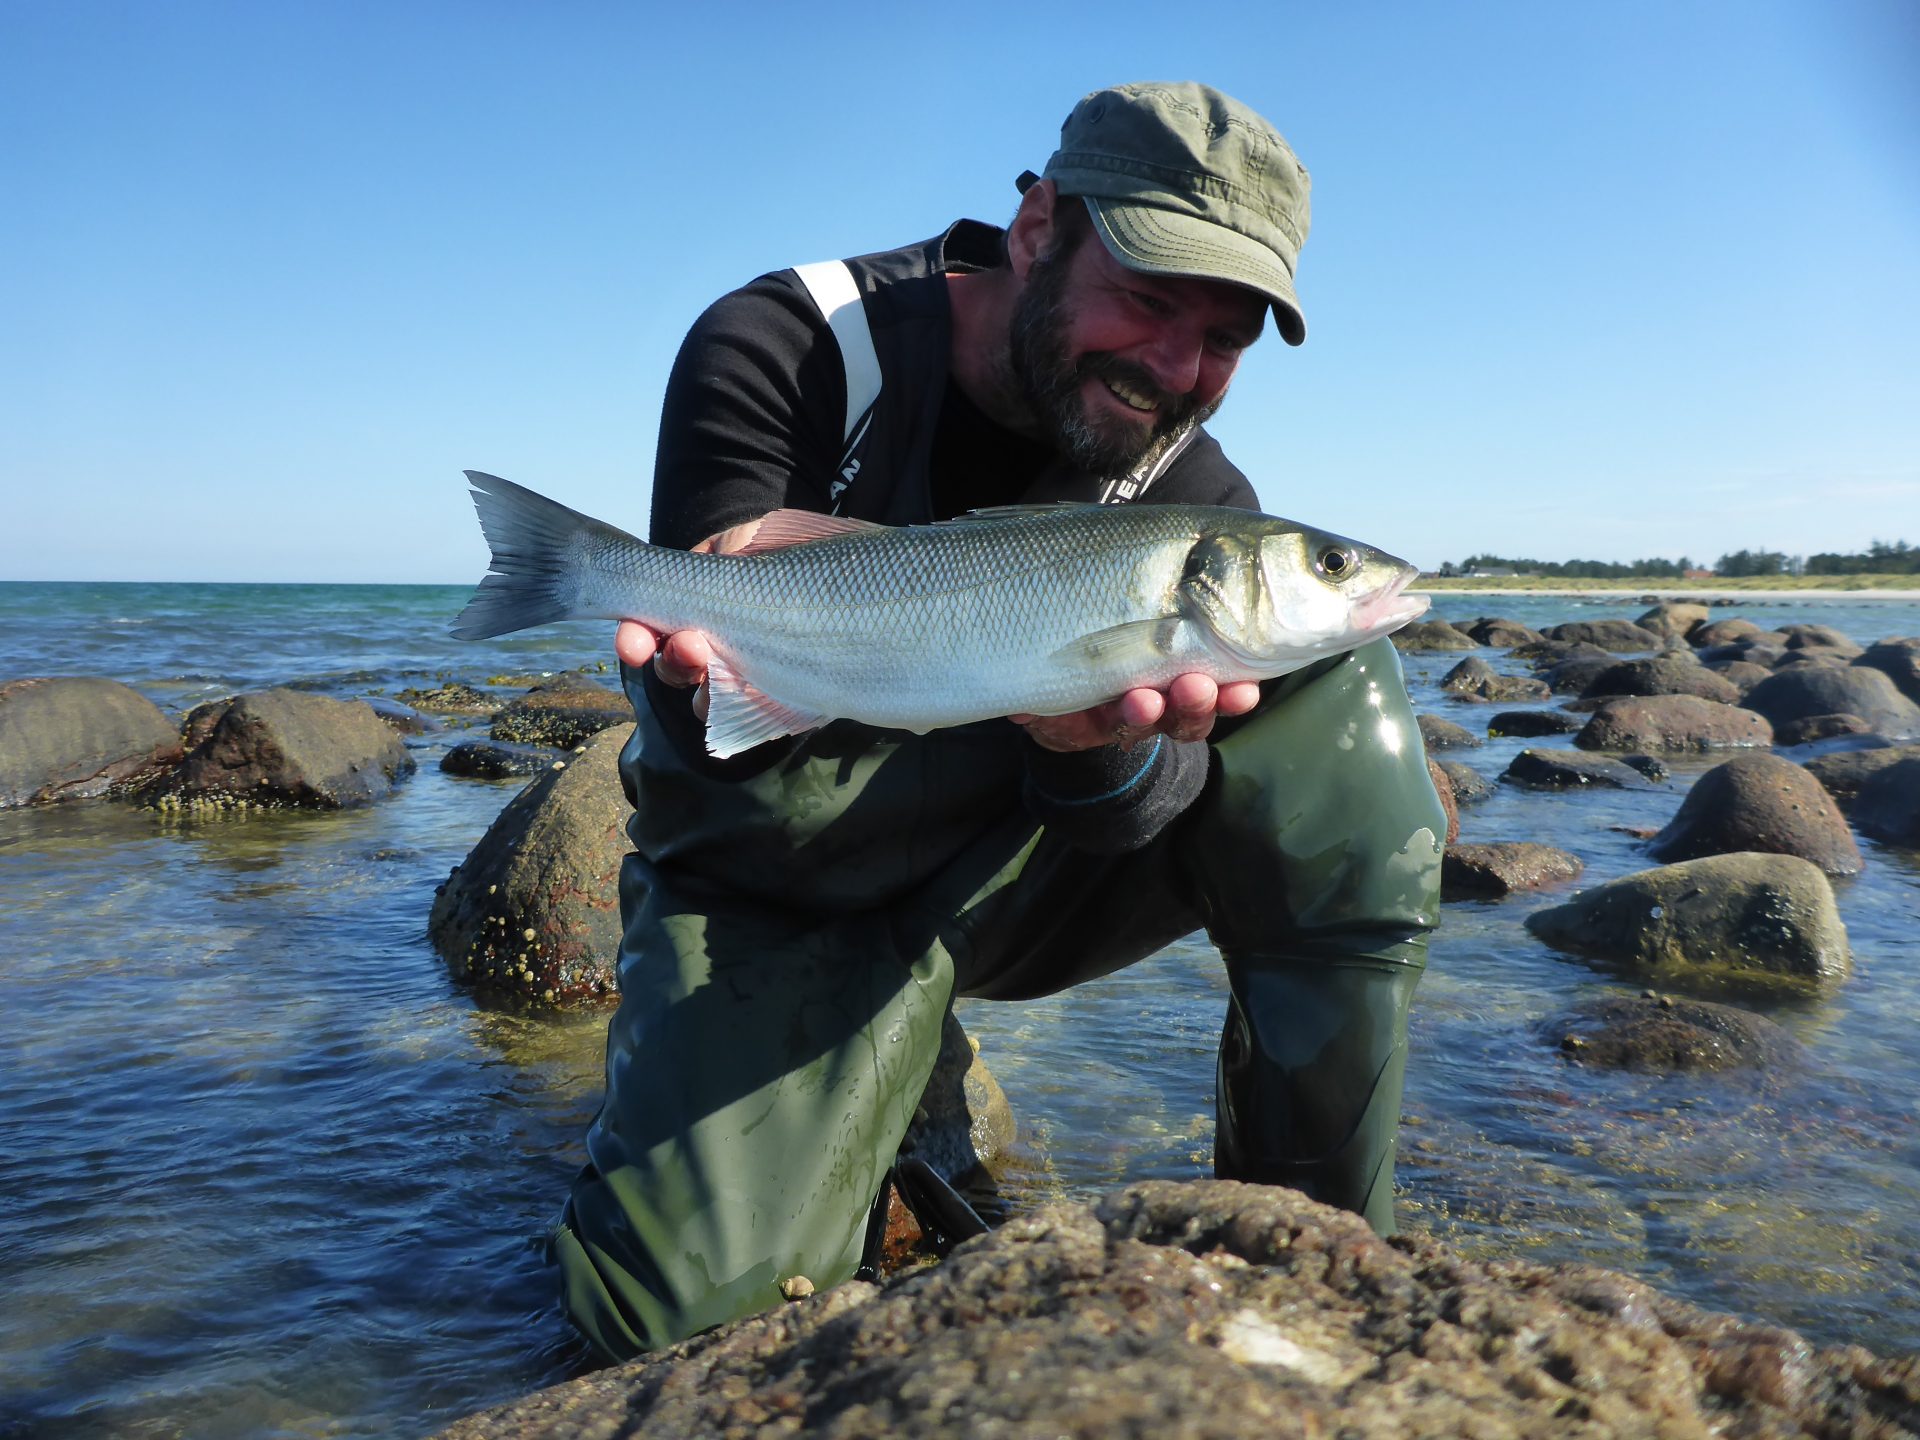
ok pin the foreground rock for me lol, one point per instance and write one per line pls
(565, 712)
(1673, 723)
(1837, 690)
(1503, 867)
(1661, 1034)
(77, 737)
(533, 912)
(1725, 917)
(1888, 805)
(1760, 802)
(1217, 1309)
(286, 748)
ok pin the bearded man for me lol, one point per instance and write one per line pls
(798, 919)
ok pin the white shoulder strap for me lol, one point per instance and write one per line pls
(832, 287)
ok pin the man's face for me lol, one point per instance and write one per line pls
(1116, 365)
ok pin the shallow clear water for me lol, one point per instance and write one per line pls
(265, 1171)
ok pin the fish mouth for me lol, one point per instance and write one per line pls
(1386, 609)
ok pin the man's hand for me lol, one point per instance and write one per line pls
(680, 659)
(1185, 710)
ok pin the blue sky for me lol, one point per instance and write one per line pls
(1584, 280)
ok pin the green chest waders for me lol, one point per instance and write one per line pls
(793, 939)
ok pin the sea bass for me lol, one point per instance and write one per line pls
(1040, 610)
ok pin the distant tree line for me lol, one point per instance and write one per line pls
(1879, 558)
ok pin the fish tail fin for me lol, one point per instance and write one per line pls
(538, 552)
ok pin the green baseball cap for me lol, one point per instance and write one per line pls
(1182, 180)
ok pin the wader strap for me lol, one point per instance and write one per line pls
(1132, 487)
(831, 285)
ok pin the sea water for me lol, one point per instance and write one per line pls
(265, 1170)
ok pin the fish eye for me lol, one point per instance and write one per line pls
(1335, 563)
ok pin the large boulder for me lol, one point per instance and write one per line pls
(1672, 722)
(1671, 674)
(1725, 917)
(1899, 660)
(1888, 805)
(1661, 1034)
(1822, 638)
(1733, 632)
(1843, 772)
(75, 737)
(1834, 690)
(1423, 635)
(533, 913)
(1621, 637)
(286, 748)
(565, 712)
(1673, 619)
(1760, 802)
(1223, 1310)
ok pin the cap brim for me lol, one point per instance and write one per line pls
(1165, 242)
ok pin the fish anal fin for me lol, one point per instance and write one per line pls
(780, 528)
(740, 716)
(1135, 648)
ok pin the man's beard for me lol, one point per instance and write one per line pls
(1049, 381)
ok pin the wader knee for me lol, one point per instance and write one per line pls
(1311, 1065)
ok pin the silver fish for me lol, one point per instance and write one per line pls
(1039, 610)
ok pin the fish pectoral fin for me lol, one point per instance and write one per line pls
(781, 528)
(1136, 647)
(740, 717)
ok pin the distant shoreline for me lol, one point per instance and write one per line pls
(1698, 594)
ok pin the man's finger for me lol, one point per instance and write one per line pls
(684, 658)
(634, 643)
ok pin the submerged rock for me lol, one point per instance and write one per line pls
(1716, 918)
(1765, 803)
(1503, 867)
(1222, 1310)
(1665, 1035)
(78, 737)
(286, 748)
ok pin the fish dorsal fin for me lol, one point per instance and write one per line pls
(1134, 648)
(740, 716)
(781, 528)
(1014, 512)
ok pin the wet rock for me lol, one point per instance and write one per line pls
(1727, 632)
(286, 748)
(79, 737)
(1423, 635)
(1822, 638)
(1819, 727)
(1833, 690)
(1502, 867)
(1621, 637)
(1570, 770)
(1673, 619)
(1888, 805)
(1572, 676)
(533, 913)
(1764, 803)
(1651, 766)
(1528, 723)
(1672, 722)
(1474, 678)
(963, 1122)
(489, 760)
(1223, 1310)
(1445, 735)
(1469, 785)
(565, 712)
(1663, 1034)
(1718, 918)
(1663, 675)
(1492, 631)
(1899, 660)
(402, 719)
(455, 698)
(1443, 787)
(1843, 773)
